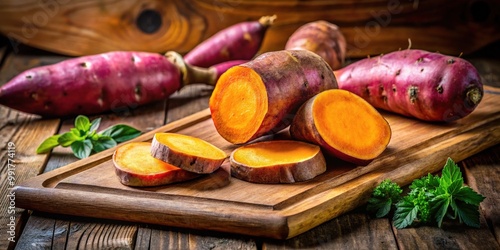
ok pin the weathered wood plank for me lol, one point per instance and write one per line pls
(39, 239)
(93, 234)
(450, 236)
(172, 238)
(20, 134)
(354, 230)
(482, 173)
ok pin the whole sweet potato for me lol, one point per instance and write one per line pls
(92, 84)
(323, 38)
(240, 41)
(415, 83)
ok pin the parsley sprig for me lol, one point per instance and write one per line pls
(85, 140)
(430, 199)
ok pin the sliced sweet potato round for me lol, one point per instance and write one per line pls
(135, 166)
(344, 125)
(187, 152)
(279, 161)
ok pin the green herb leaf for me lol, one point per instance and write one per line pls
(121, 132)
(95, 124)
(68, 138)
(405, 213)
(440, 207)
(451, 172)
(48, 144)
(455, 186)
(82, 123)
(469, 196)
(82, 149)
(468, 214)
(384, 196)
(379, 207)
(103, 143)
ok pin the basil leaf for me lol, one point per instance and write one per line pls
(82, 123)
(48, 144)
(121, 132)
(77, 132)
(95, 124)
(67, 139)
(103, 143)
(82, 149)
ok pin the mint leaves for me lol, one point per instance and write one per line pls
(429, 201)
(85, 140)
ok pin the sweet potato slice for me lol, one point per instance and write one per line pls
(344, 125)
(260, 97)
(135, 166)
(279, 161)
(187, 152)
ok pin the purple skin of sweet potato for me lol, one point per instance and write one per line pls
(415, 83)
(240, 41)
(218, 69)
(92, 84)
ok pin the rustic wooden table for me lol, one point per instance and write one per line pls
(22, 133)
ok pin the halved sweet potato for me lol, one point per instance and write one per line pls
(344, 125)
(187, 152)
(280, 161)
(260, 97)
(135, 166)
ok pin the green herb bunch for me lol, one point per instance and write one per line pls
(85, 140)
(430, 199)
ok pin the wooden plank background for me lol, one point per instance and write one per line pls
(354, 230)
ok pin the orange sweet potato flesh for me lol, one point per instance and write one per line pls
(344, 125)
(135, 166)
(187, 152)
(261, 97)
(279, 161)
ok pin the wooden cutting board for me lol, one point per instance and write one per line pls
(219, 202)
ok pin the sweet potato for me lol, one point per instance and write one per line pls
(135, 166)
(416, 83)
(344, 125)
(260, 97)
(280, 161)
(187, 152)
(323, 38)
(98, 83)
(240, 41)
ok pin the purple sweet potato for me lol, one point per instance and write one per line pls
(240, 41)
(92, 84)
(323, 38)
(415, 83)
(104, 82)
